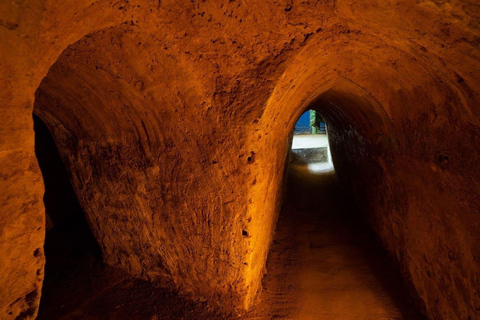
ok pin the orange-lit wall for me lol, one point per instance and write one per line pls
(174, 118)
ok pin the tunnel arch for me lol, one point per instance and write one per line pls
(120, 125)
(421, 70)
(378, 151)
(350, 113)
(32, 46)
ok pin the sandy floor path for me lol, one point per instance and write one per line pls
(325, 263)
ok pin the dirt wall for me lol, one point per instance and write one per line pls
(174, 118)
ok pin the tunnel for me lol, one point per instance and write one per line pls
(148, 173)
(69, 243)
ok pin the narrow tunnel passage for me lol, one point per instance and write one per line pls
(70, 247)
(173, 119)
(325, 261)
(69, 239)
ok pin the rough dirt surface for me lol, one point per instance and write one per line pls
(173, 119)
(325, 263)
(78, 285)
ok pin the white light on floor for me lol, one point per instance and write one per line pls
(319, 167)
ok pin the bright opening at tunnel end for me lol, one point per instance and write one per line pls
(310, 147)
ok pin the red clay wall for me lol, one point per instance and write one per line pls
(173, 118)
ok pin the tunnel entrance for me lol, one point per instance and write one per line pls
(310, 146)
(68, 236)
(70, 247)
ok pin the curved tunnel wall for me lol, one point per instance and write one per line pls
(144, 121)
(404, 164)
(157, 187)
(116, 103)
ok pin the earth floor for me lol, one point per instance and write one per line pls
(325, 263)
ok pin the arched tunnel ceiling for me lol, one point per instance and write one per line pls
(156, 107)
